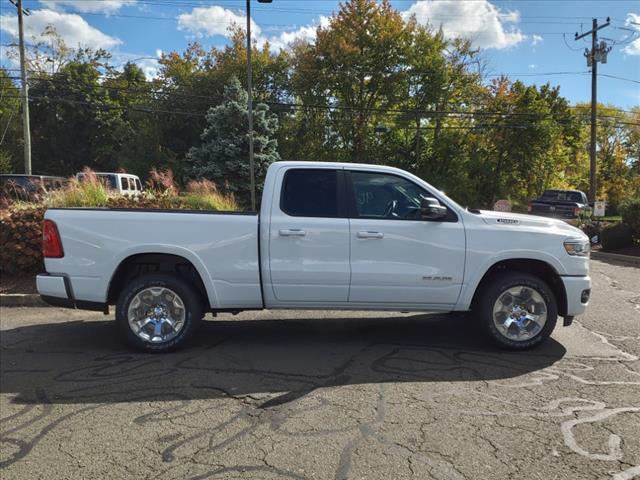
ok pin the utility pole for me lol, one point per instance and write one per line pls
(25, 88)
(597, 53)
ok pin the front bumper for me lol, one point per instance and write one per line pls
(56, 291)
(578, 292)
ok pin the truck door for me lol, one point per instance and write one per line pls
(309, 237)
(396, 256)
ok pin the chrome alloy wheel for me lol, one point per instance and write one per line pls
(520, 313)
(156, 314)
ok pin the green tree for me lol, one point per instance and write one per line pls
(75, 123)
(223, 155)
(524, 146)
(10, 125)
(356, 66)
(618, 147)
(192, 82)
(141, 140)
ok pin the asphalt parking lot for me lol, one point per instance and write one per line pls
(325, 395)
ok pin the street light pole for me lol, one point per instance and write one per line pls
(252, 169)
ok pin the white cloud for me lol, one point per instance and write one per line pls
(536, 39)
(211, 21)
(305, 33)
(216, 20)
(88, 6)
(633, 21)
(481, 21)
(149, 65)
(72, 28)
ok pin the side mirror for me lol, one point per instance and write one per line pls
(430, 209)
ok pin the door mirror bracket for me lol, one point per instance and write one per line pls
(430, 209)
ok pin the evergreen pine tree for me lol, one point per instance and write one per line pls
(223, 155)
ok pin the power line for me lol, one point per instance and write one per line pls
(618, 78)
(240, 4)
(446, 114)
(399, 111)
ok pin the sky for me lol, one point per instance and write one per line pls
(531, 40)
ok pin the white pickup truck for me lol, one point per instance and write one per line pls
(328, 236)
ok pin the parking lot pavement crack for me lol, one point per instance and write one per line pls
(410, 465)
(495, 450)
(439, 464)
(69, 454)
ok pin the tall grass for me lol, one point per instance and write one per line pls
(88, 192)
(162, 192)
(204, 195)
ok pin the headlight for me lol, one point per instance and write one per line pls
(577, 247)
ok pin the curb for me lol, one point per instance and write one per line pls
(627, 260)
(21, 300)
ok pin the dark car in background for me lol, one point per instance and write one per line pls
(22, 187)
(560, 204)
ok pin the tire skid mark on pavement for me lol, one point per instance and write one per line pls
(613, 443)
(25, 446)
(276, 399)
(627, 474)
(565, 406)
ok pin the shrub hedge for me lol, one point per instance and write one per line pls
(630, 211)
(616, 236)
(21, 222)
(21, 239)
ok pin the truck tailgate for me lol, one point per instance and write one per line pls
(223, 248)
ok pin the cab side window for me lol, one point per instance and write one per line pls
(378, 195)
(389, 197)
(310, 193)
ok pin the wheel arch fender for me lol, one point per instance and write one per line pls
(160, 250)
(545, 266)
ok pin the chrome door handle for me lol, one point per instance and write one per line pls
(370, 235)
(294, 232)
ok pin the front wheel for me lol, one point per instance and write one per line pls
(158, 312)
(517, 310)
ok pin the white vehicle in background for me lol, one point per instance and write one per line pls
(336, 236)
(122, 183)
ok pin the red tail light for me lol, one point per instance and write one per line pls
(51, 243)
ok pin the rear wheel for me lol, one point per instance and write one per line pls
(158, 312)
(517, 310)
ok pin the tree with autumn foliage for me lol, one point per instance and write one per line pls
(373, 86)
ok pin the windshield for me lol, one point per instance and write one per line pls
(30, 184)
(108, 179)
(561, 196)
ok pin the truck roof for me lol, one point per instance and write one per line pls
(368, 166)
(562, 190)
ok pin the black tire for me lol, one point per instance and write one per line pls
(489, 295)
(188, 295)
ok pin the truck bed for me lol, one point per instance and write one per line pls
(222, 246)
